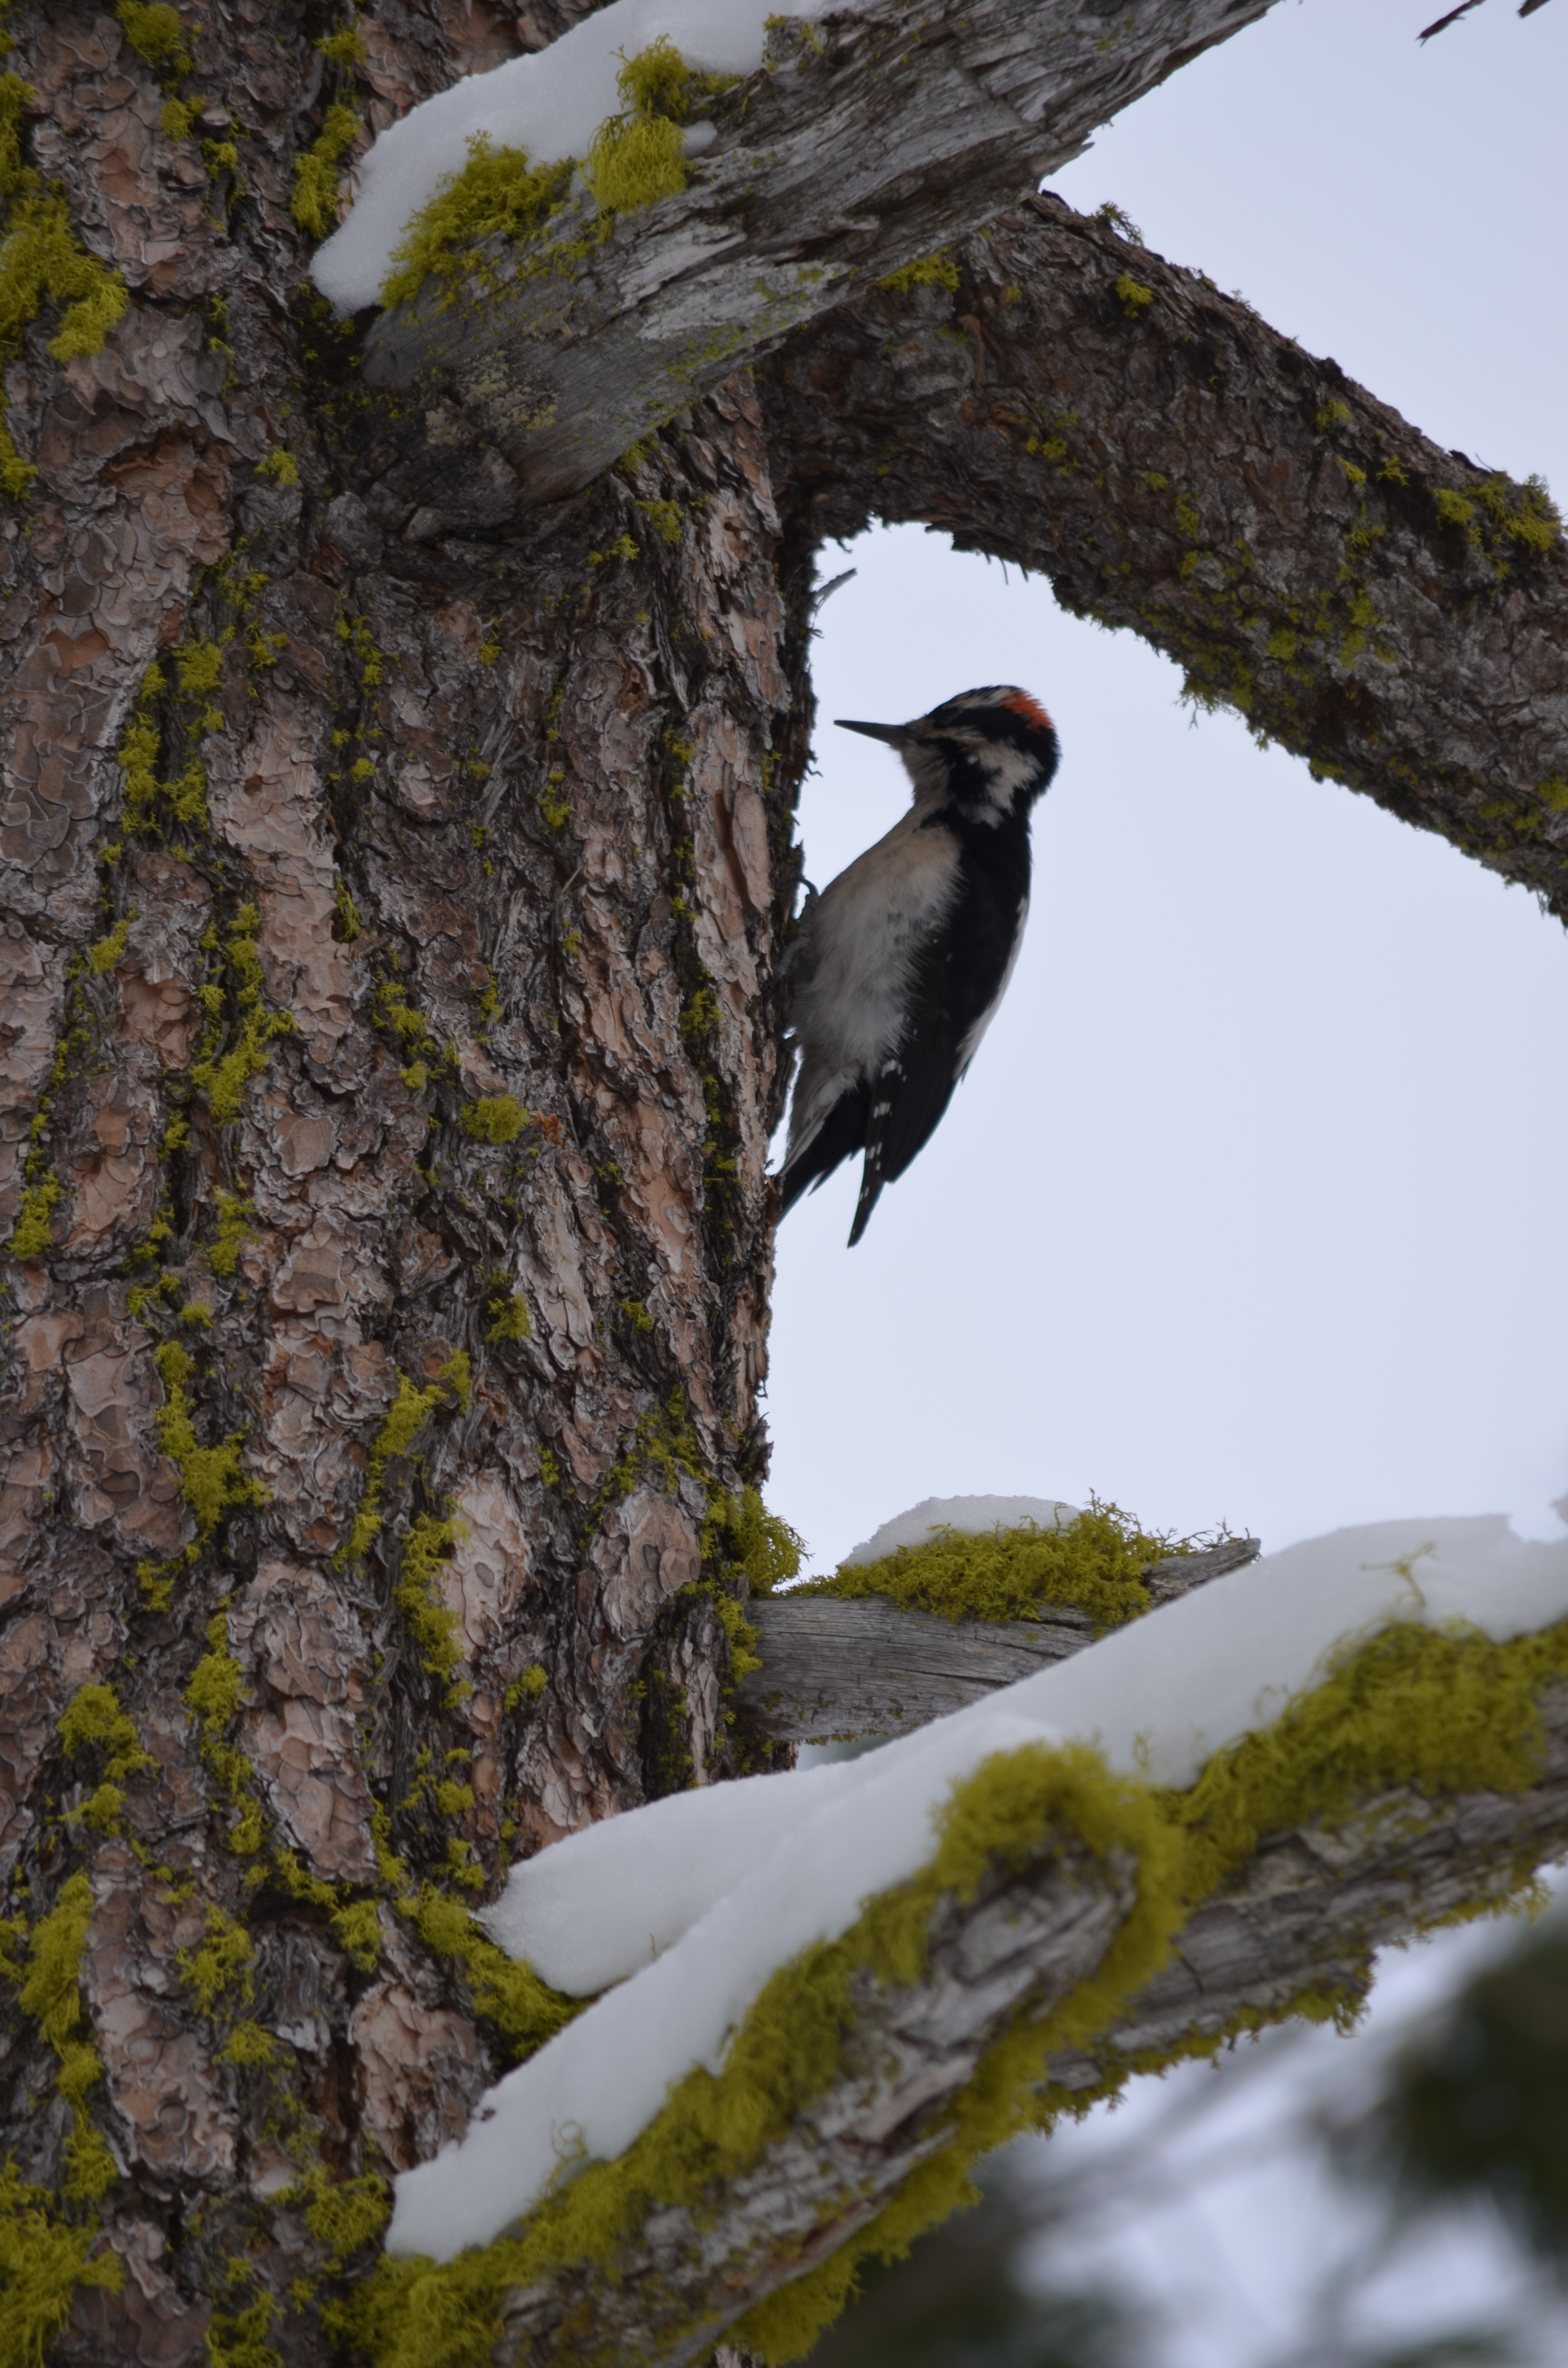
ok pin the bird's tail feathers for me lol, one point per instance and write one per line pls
(839, 1131)
(872, 1178)
(793, 1178)
(870, 1193)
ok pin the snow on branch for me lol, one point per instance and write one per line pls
(846, 150)
(820, 1996)
(1066, 400)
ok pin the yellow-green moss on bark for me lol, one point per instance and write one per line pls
(93, 1727)
(213, 1697)
(211, 1479)
(494, 1118)
(41, 262)
(405, 1418)
(314, 203)
(1096, 1563)
(32, 1236)
(436, 1630)
(634, 158)
(44, 2257)
(505, 1312)
(222, 1071)
(47, 1987)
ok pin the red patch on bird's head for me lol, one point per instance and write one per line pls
(1030, 709)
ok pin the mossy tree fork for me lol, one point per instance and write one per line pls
(397, 863)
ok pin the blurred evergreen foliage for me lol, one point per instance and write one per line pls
(1479, 2109)
(1472, 2111)
(960, 2299)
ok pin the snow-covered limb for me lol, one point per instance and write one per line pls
(1288, 1767)
(847, 154)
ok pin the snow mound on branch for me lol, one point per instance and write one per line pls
(816, 1858)
(549, 104)
(659, 1888)
(659, 1891)
(720, 1888)
(971, 1516)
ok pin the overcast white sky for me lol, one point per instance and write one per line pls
(1250, 1208)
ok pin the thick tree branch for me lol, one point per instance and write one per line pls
(847, 154)
(833, 1667)
(1301, 1918)
(1395, 613)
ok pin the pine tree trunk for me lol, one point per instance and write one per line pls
(389, 1061)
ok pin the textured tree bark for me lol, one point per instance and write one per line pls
(393, 886)
(424, 1013)
(1396, 614)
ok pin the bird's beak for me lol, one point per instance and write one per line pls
(895, 734)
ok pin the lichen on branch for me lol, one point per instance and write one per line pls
(1094, 1563)
(498, 194)
(635, 158)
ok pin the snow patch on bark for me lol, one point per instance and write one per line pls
(970, 1515)
(549, 104)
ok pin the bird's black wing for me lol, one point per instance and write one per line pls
(841, 1133)
(906, 1099)
(956, 984)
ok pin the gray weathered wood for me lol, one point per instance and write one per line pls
(835, 1668)
(851, 152)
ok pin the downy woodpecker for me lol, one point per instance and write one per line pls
(899, 966)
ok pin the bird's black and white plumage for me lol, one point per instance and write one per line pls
(900, 965)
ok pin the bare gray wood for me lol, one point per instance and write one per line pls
(1179, 1574)
(836, 1668)
(856, 148)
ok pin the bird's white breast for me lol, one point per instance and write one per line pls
(868, 931)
